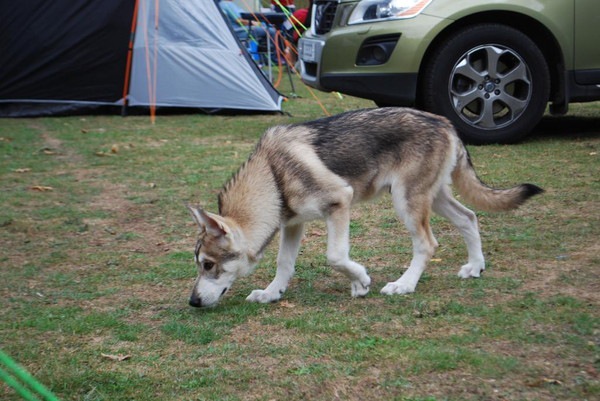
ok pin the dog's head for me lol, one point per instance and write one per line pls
(220, 255)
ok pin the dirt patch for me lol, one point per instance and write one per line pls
(574, 276)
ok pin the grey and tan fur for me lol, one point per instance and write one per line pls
(318, 170)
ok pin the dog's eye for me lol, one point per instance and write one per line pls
(208, 265)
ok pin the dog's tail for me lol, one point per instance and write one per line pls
(483, 197)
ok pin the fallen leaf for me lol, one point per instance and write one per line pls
(544, 381)
(286, 304)
(316, 233)
(118, 358)
(41, 188)
(47, 151)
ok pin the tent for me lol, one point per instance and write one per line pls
(64, 56)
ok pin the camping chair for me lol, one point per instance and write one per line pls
(264, 50)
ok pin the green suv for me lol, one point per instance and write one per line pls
(489, 66)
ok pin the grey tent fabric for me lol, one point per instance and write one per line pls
(193, 60)
(62, 57)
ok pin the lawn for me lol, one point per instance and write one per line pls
(96, 267)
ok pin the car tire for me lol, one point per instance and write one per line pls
(490, 80)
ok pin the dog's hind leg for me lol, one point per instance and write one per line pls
(289, 245)
(415, 213)
(338, 248)
(466, 222)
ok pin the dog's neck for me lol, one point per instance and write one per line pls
(252, 200)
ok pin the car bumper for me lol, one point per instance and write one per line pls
(332, 62)
(381, 87)
(385, 89)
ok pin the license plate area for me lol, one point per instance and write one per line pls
(310, 50)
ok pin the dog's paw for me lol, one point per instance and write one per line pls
(471, 270)
(361, 289)
(397, 288)
(263, 297)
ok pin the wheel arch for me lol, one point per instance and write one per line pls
(535, 30)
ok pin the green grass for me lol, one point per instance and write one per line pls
(101, 264)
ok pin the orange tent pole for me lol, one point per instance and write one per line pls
(155, 72)
(129, 57)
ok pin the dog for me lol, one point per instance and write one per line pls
(318, 170)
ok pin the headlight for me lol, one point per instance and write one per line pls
(371, 10)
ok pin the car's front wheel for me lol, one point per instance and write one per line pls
(490, 80)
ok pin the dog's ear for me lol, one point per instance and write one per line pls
(208, 223)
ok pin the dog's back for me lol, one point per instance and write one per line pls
(358, 142)
(370, 149)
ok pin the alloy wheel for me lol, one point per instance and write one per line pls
(490, 87)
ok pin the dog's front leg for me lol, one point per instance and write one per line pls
(286, 259)
(338, 250)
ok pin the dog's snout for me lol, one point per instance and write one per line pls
(195, 301)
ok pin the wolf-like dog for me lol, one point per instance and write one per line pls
(318, 170)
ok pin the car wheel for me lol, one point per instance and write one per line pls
(490, 80)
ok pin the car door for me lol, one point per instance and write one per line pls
(587, 50)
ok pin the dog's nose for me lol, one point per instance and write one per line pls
(196, 302)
